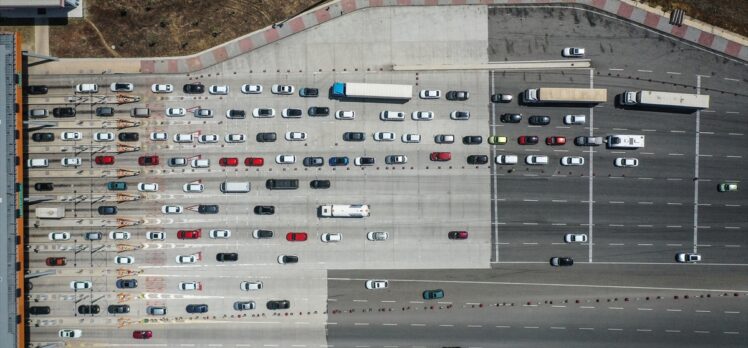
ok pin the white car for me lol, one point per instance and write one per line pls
(192, 187)
(71, 161)
(247, 286)
(506, 159)
(377, 236)
(147, 187)
(282, 89)
(422, 115)
(396, 159)
(207, 138)
(80, 284)
(175, 112)
(331, 237)
(218, 89)
(263, 112)
(626, 162)
(159, 136)
(200, 163)
(203, 113)
(374, 284)
(236, 138)
(124, 260)
(172, 209)
(345, 115)
(121, 87)
(71, 136)
(536, 159)
(188, 286)
(384, 136)
(219, 234)
(119, 235)
(104, 136)
(251, 89)
(68, 333)
(575, 238)
(573, 52)
(575, 119)
(411, 138)
(166, 88)
(572, 161)
(285, 159)
(392, 115)
(295, 136)
(59, 236)
(155, 235)
(430, 94)
(183, 138)
(687, 257)
(460, 115)
(186, 259)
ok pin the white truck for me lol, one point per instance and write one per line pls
(619, 141)
(665, 99)
(50, 212)
(371, 90)
(565, 95)
(344, 210)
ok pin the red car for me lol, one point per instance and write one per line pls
(296, 236)
(228, 161)
(441, 156)
(188, 234)
(148, 160)
(56, 261)
(555, 140)
(142, 334)
(104, 160)
(254, 161)
(527, 140)
(457, 235)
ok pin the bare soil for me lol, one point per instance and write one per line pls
(731, 15)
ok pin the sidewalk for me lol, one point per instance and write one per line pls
(727, 43)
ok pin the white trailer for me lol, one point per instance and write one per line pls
(666, 99)
(619, 141)
(566, 95)
(344, 210)
(50, 212)
(371, 90)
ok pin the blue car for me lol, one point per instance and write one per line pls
(338, 161)
(433, 294)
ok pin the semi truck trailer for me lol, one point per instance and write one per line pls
(50, 212)
(344, 210)
(371, 90)
(618, 141)
(565, 95)
(665, 99)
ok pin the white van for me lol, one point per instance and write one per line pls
(235, 187)
(87, 88)
(536, 160)
(38, 163)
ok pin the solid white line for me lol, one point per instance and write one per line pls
(647, 71)
(495, 180)
(475, 326)
(731, 79)
(696, 174)
(586, 328)
(389, 324)
(677, 131)
(731, 312)
(615, 69)
(558, 328)
(702, 311)
(589, 171)
(674, 310)
(644, 330)
(673, 73)
(644, 309)
(447, 325)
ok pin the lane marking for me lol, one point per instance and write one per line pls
(731, 79)
(645, 71)
(696, 173)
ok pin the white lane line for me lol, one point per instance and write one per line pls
(416, 302)
(389, 324)
(730, 332)
(677, 131)
(558, 306)
(645, 202)
(731, 79)
(644, 309)
(417, 324)
(732, 112)
(529, 223)
(674, 203)
(586, 328)
(529, 243)
(645, 178)
(700, 332)
(675, 154)
(615, 69)
(707, 133)
(614, 329)
(360, 324)
(531, 327)
(530, 200)
(587, 307)
(387, 301)
(332, 299)
(702, 311)
(559, 201)
(446, 325)
(673, 72)
(615, 202)
(475, 326)
(615, 307)
(672, 331)
(674, 310)
(732, 227)
(734, 133)
(558, 328)
(732, 245)
(696, 172)
(502, 327)
(648, 130)
(646, 71)
(620, 129)
(559, 224)
(674, 179)
(644, 330)
(360, 300)
(674, 226)
(708, 111)
(643, 225)
(647, 153)
(644, 244)
(615, 225)
(731, 312)
(674, 244)
(616, 244)
(733, 156)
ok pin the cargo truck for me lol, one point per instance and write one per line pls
(344, 210)
(618, 141)
(50, 212)
(665, 99)
(371, 90)
(565, 95)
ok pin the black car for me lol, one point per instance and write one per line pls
(354, 136)
(477, 159)
(63, 112)
(37, 89)
(293, 113)
(540, 120)
(278, 304)
(43, 137)
(562, 261)
(264, 210)
(107, 210)
(39, 310)
(194, 88)
(236, 114)
(510, 118)
(105, 111)
(472, 140)
(128, 136)
(266, 137)
(44, 186)
(259, 234)
(366, 161)
(118, 309)
(284, 259)
(197, 308)
(223, 257)
(458, 95)
(308, 92)
(318, 111)
(313, 161)
(207, 209)
(126, 283)
(89, 309)
(320, 184)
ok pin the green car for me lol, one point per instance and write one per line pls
(727, 187)
(496, 140)
(433, 294)
(116, 185)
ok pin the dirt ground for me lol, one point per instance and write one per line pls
(727, 14)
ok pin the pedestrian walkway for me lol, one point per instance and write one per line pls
(719, 40)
